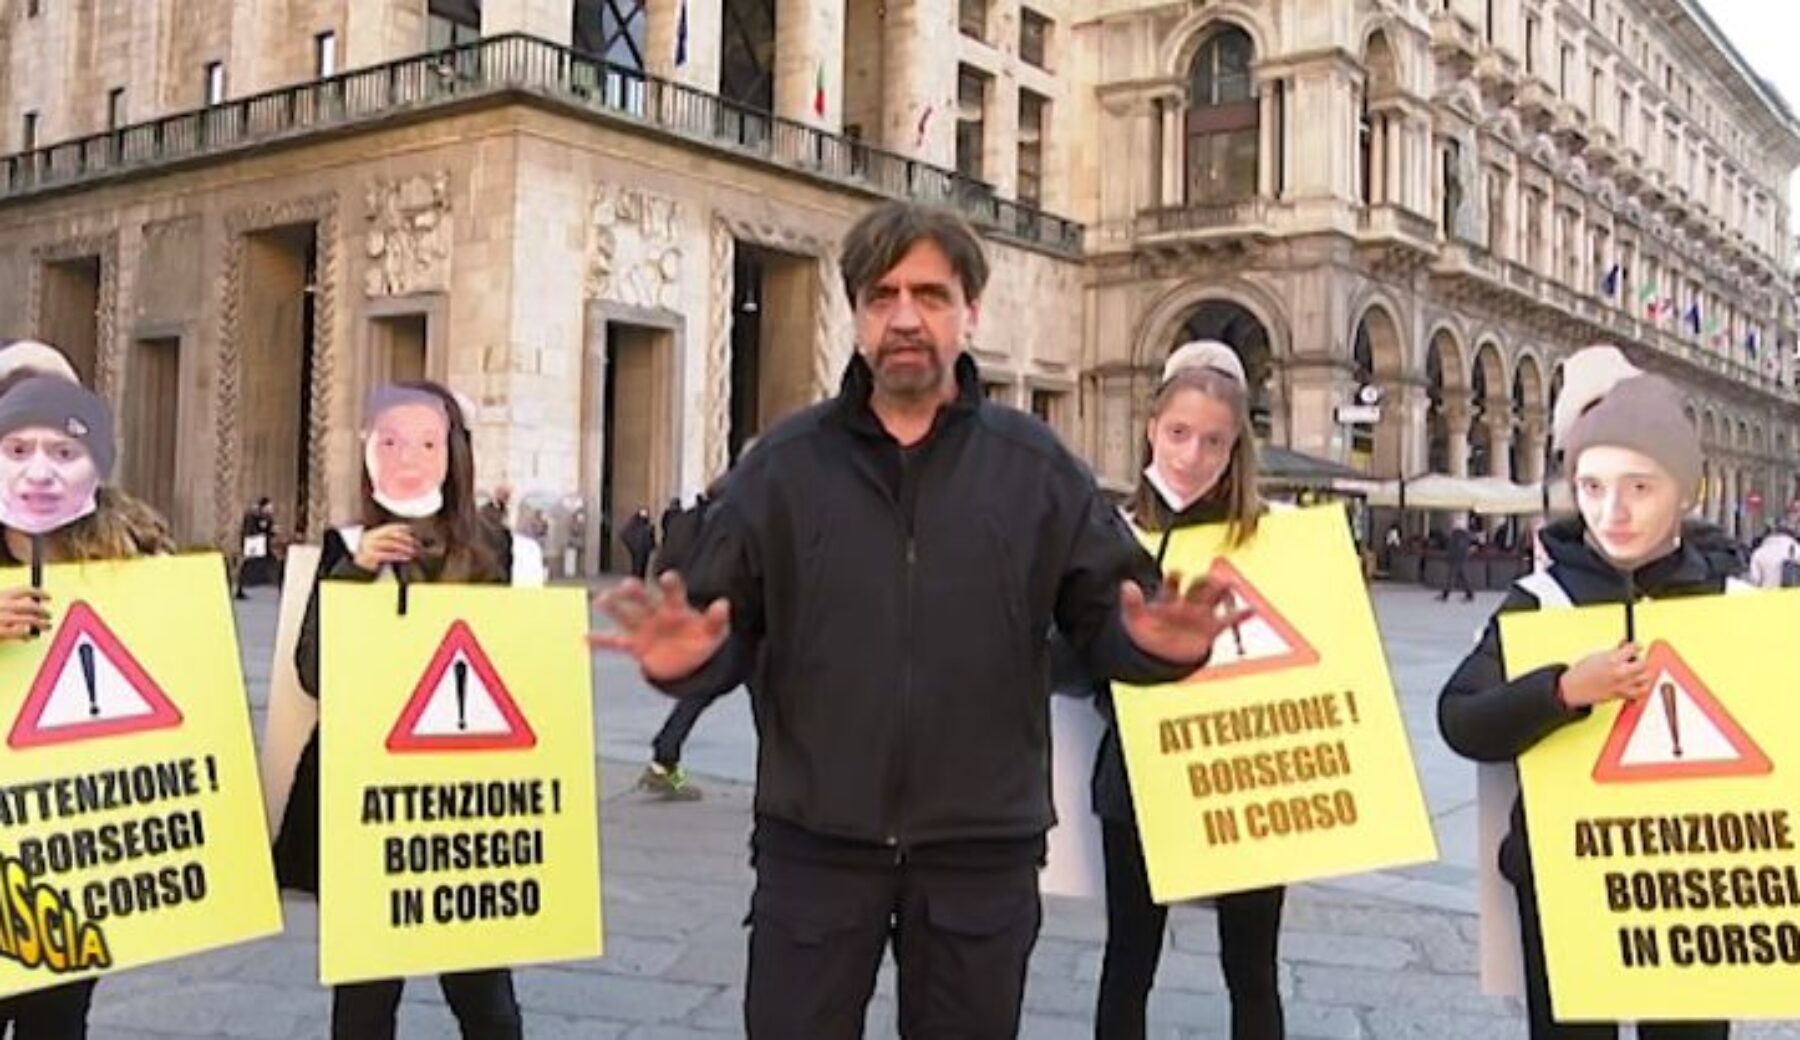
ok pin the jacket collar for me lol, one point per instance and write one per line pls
(857, 388)
(1697, 561)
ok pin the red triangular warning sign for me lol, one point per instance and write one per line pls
(460, 704)
(1679, 732)
(89, 686)
(1263, 642)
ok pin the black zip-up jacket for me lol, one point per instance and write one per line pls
(889, 609)
(1485, 717)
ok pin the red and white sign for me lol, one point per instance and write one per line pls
(1679, 732)
(460, 704)
(1263, 642)
(89, 686)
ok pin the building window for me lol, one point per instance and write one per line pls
(1047, 405)
(612, 29)
(115, 108)
(1222, 120)
(452, 23)
(998, 393)
(1563, 71)
(28, 139)
(1596, 80)
(1033, 109)
(325, 55)
(1488, 23)
(33, 8)
(215, 82)
(1623, 117)
(1034, 38)
(1531, 43)
(1453, 186)
(1496, 212)
(971, 121)
(972, 18)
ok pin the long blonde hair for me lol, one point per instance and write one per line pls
(1236, 487)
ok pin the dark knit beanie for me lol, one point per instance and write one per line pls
(67, 408)
(1642, 413)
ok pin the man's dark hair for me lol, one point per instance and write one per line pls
(884, 235)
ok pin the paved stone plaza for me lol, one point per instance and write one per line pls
(1385, 957)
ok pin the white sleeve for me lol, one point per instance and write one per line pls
(528, 569)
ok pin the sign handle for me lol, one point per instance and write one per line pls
(37, 570)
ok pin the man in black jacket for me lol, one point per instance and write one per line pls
(881, 573)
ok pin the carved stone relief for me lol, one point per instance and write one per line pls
(634, 248)
(408, 238)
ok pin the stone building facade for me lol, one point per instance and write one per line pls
(612, 223)
(1431, 205)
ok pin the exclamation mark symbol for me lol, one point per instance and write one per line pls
(1350, 703)
(86, 650)
(1237, 631)
(1668, 703)
(461, 670)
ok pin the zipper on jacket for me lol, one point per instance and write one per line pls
(898, 838)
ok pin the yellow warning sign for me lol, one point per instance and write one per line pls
(1290, 761)
(131, 825)
(458, 813)
(1665, 841)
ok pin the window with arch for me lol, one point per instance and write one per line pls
(1222, 119)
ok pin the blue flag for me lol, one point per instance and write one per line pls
(681, 34)
(1692, 317)
(1609, 286)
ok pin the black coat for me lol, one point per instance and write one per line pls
(889, 611)
(1487, 717)
(297, 843)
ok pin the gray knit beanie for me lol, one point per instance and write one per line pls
(67, 408)
(1642, 413)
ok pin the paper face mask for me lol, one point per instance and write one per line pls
(48, 480)
(407, 451)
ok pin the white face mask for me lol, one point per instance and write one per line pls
(413, 508)
(1166, 492)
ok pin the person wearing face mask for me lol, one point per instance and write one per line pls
(1635, 462)
(56, 456)
(419, 523)
(1201, 469)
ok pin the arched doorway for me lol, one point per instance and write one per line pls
(1490, 428)
(1529, 422)
(1235, 326)
(1551, 448)
(1446, 408)
(1377, 360)
(1223, 119)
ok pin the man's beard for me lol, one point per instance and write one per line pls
(923, 378)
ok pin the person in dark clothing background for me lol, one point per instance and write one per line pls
(664, 776)
(1200, 468)
(1456, 552)
(1635, 462)
(639, 537)
(881, 572)
(256, 547)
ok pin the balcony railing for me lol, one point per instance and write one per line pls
(1202, 216)
(523, 65)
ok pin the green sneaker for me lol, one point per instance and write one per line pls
(671, 785)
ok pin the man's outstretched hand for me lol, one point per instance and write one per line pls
(668, 638)
(1180, 624)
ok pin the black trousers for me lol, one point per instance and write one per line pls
(665, 748)
(1456, 576)
(482, 1001)
(1249, 929)
(57, 1013)
(961, 938)
(1537, 994)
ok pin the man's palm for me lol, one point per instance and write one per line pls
(667, 636)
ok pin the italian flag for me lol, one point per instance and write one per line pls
(819, 93)
(1647, 299)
